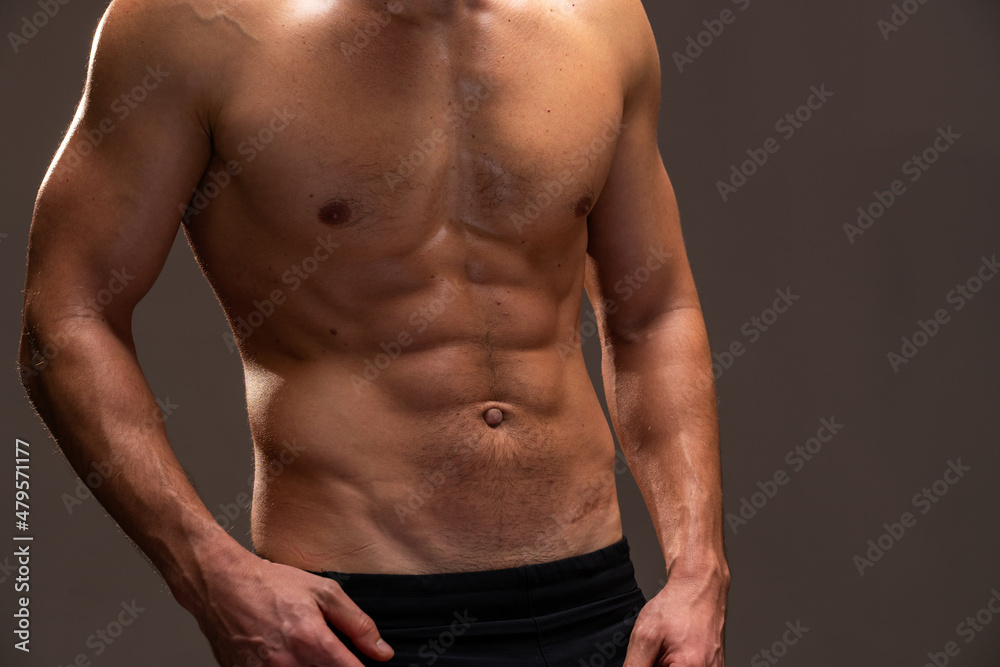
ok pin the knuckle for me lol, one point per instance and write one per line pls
(365, 625)
(298, 636)
(335, 591)
(331, 649)
(307, 645)
(284, 631)
(645, 635)
(692, 659)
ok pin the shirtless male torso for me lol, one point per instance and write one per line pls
(398, 205)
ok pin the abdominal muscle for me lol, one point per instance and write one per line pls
(404, 474)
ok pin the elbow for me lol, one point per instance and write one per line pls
(32, 355)
(639, 326)
(25, 354)
(44, 338)
(29, 372)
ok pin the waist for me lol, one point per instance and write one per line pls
(444, 525)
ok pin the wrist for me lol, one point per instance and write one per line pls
(203, 558)
(698, 562)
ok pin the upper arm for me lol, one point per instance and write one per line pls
(108, 210)
(637, 266)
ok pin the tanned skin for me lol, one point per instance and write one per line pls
(440, 193)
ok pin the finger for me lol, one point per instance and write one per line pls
(347, 617)
(334, 654)
(313, 644)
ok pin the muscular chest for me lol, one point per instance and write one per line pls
(392, 137)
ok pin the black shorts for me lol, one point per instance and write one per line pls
(572, 612)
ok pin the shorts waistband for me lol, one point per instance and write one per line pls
(517, 592)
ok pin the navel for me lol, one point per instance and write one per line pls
(335, 212)
(493, 417)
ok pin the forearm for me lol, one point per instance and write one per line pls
(91, 393)
(660, 381)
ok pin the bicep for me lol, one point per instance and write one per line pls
(638, 267)
(109, 208)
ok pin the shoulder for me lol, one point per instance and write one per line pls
(177, 26)
(626, 26)
(625, 21)
(638, 43)
(197, 43)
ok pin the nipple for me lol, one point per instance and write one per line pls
(335, 212)
(493, 417)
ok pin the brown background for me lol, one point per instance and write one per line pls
(824, 358)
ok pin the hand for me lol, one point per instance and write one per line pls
(256, 613)
(682, 625)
